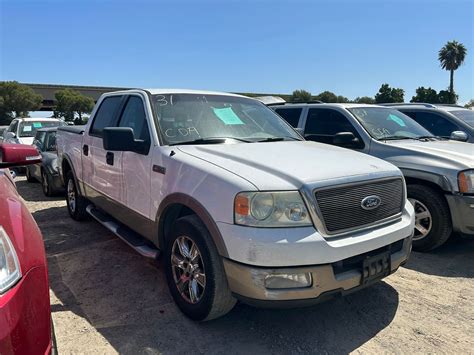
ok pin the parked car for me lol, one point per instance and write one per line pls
(446, 121)
(47, 172)
(439, 173)
(25, 315)
(238, 205)
(23, 130)
(2, 129)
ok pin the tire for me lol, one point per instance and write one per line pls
(46, 184)
(440, 228)
(29, 178)
(214, 299)
(76, 204)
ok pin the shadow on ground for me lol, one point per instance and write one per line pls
(31, 191)
(126, 300)
(453, 259)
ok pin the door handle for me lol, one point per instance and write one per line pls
(85, 149)
(109, 158)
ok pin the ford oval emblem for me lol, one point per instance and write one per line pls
(370, 202)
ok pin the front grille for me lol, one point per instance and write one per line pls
(341, 208)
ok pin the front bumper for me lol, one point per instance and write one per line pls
(25, 315)
(462, 213)
(56, 183)
(248, 282)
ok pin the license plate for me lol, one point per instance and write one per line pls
(375, 267)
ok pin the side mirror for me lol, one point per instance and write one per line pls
(459, 136)
(346, 140)
(122, 139)
(10, 135)
(18, 155)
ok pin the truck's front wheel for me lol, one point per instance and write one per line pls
(432, 217)
(76, 204)
(195, 272)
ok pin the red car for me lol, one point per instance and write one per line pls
(25, 313)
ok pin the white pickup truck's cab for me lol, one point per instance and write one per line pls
(237, 203)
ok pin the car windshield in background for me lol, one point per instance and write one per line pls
(384, 123)
(29, 128)
(208, 118)
(465, 115)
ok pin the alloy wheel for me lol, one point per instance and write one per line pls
(188, 269)
(423, 219)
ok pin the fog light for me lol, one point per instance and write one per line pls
(279, 281)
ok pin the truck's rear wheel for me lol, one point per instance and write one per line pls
(195, 272)
(432, 217)
(76, 204)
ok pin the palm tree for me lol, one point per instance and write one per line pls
(451, 57)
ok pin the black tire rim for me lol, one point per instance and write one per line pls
(188, 269)
(71, 196)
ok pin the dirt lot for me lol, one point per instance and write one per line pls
(105, 298)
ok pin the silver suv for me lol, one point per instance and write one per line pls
(439, 173)
(447, 121)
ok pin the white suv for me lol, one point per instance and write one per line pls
(235, 202)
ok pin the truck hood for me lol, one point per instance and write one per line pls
(26, 140)
(290, 165)
(431, 155)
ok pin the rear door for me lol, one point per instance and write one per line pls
(102, 170)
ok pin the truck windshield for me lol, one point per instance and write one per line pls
(204, 118)
(465, 115)
(385, 123)
(29, 128)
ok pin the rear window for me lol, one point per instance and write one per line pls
(29, 128)
(465, 115)
(290, 115)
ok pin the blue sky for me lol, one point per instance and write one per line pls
(348, 47)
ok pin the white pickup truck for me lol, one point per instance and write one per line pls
(234, 201)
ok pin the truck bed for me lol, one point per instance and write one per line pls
(72, 129)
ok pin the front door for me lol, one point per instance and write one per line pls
(136, 194)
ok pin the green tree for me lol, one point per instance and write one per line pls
(469, 104)
(327, 97)
(447, 97)
(364, 100)
(17, 100)
(342, 99)
(451, 57)
(387, 94)
(71, 103)
(300, 96)
(427, 95)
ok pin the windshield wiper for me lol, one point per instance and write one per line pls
(210, 140)
(388, 138)
(275, 139)
(435, 137)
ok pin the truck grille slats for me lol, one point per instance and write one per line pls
(341, 208)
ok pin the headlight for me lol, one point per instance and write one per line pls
(466, 181)
(271, 209)
(9, 266)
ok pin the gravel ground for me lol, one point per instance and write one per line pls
(105, 299)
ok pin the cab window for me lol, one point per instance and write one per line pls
(106, 114)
